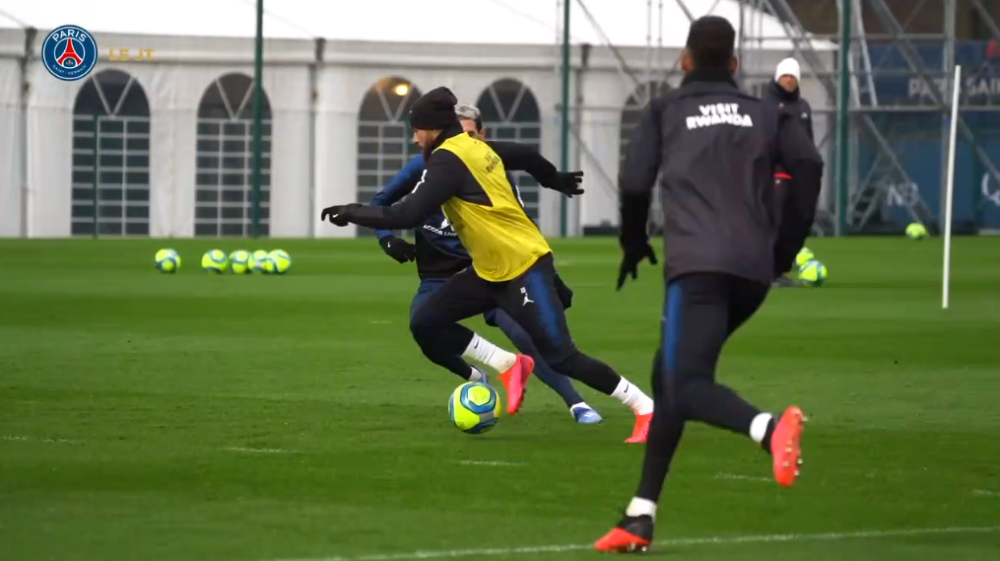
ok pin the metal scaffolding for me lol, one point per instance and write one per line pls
(885, 53)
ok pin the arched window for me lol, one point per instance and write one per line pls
(110, 157)
(510, 112)
(224, 172)
(631, 116)
(385, 142)
(632, 112)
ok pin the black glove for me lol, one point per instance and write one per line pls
(564, 292)
(339, 215)
(566, 183)
(398, 248)
(634, 253)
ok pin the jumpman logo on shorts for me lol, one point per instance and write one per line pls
(524, 291)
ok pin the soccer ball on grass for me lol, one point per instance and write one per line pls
(277, 262)
(474, 407)
(916, 231)
(804, 256)
(257, 261)
(168, 261)
(239, 261)
(813, 273)
(215, 261)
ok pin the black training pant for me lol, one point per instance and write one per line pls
(532, 300)
(700, 313)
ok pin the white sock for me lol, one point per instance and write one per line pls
(758, 427)
(582, 404)
(478, 376)
(633, 397)
(641, 507)
(482, 351)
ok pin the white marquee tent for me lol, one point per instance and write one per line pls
(165, 140)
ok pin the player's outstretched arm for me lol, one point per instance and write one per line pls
(640, 169)
(441, 179)
(799, 157)
(635, 190)
(398, 187)
(522, 157)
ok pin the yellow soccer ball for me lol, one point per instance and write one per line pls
(215, 261)
(813, 274)
(474, 407)
(277, 263)
(168, 261)
(804, 256)
(239, 261)
(257, 261)
(916, 231)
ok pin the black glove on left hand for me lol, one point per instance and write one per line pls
(566, 183)
(634, 253)
(339, 215)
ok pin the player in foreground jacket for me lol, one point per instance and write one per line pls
(784, 92)
(439, 255)
(716, 149)
(512, 265)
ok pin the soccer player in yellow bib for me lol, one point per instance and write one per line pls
(512, 264)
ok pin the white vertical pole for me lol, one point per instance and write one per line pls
(950, 194)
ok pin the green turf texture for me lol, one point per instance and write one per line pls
(195, 417)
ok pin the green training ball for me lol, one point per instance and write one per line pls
(239, 261)
(804, 256)
(277, 263)
(474, 408)
(916, 231)
(813, 274)
(168, 261)
(215, 261)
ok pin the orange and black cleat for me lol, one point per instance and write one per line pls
(641, 431)
(515, 379)
(785, 446)
(634, 534)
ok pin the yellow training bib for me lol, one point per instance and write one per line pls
(502, 241)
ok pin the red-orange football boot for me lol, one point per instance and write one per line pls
(515, 379)
(785, 448)
(634, 534)
(641, 430)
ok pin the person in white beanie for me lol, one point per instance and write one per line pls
(784, 92)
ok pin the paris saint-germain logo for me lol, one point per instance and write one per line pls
(69, 53)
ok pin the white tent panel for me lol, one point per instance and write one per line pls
(10, 148)
(498, 22)
(206, 18)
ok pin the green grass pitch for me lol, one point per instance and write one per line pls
(192, 417)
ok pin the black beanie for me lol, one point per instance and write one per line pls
(435, 110)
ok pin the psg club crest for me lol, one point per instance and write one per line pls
(69, 53)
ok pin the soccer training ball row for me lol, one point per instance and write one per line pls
(240, 262)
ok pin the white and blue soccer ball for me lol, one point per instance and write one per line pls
(474, 407)
(258, 261)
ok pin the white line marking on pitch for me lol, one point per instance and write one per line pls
(717, 540)
(736, 477)
(245, 450)
(14, 438)
(985, 493)
(496, 463)
(380, 322)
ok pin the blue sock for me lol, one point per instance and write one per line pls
(558, 382)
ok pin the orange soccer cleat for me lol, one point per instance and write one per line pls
(515, 379)
(641, 430)
(785, 448)
(634, 534)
